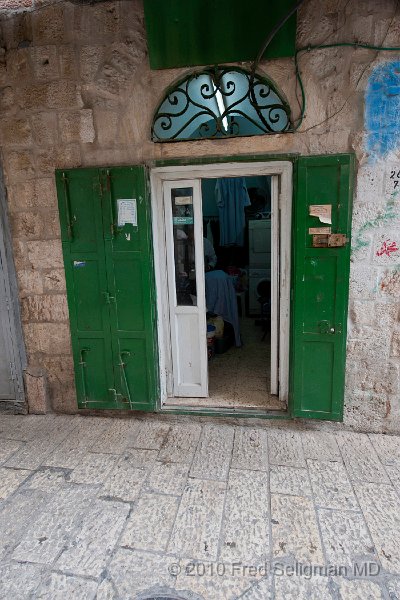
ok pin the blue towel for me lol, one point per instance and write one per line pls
(221, 299)
(231, 197)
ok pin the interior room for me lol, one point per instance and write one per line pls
(237, 263)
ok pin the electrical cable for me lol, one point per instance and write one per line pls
(271, 36)
(310, 48)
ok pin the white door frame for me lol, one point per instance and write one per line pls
(282, 169)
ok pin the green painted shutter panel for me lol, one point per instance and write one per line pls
(320, 289)
(110, 288)
(131, 284)
(183, 33)
(85, 270)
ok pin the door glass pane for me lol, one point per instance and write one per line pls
(184, 246)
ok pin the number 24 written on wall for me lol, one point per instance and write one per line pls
(395, 175)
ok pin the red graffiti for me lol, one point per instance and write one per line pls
(387, 248)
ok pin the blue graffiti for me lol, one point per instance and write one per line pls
(382, 109)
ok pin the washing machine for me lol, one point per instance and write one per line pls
(260, 243)
(255, 276)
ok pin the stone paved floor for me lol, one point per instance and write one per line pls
(116, 509)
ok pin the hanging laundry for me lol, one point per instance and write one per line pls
(232, 198)
(221, 300)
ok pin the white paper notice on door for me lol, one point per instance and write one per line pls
(127, 212)
(322, 211)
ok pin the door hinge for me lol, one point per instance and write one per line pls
(68, 217)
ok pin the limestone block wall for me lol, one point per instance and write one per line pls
(76, 90)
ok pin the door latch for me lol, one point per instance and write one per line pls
(108, 298)
(114, 395)
(326, 327)
(83, 365)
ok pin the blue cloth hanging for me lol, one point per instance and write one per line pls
(231, 197)
(221, 299)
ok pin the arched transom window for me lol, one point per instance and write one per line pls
(220, 103)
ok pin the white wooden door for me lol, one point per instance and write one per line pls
(185, 266)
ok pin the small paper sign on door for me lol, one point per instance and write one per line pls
(127, 212)
(322, 211)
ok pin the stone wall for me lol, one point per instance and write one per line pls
(76, 90)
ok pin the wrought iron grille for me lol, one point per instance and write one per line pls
(220, 103)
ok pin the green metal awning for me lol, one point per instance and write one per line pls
(187, 33)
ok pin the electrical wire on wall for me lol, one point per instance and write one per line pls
(311, 48)
(326, 46)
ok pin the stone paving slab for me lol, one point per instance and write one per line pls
(8, 448)
(74, 448)
(345, 537)
(302, 588)
(387, 448)
(261, 590)
(150, 524)
(18, 580)
(294, 529)
(93, 468)
(58, 586)
(125, 480)
(32, 454)
(10, 480)
(25, 428)
(48, 533)
(360, 590)
(245, 535)
(213, 454)
(360, 458)
(168, 478)
(198, 522)
(48, 479)
(117, 437)
(88, 551)
(16, 516)
(380, 506)
(180, 444)
(320, 445)
(292, 481)
(213, 581)
(250, 449)
(151, 435)
(119, 509)
(331, 486)
(285, 448)
(134, 572)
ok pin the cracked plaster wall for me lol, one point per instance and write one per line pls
(76, 90)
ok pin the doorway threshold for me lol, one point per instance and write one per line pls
(219, 401)
(222, 411)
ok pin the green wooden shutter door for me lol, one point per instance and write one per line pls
(109, 288)
(320, 290)
(131, 283)
(85, 271)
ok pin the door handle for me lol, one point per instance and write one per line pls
(326, 327)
